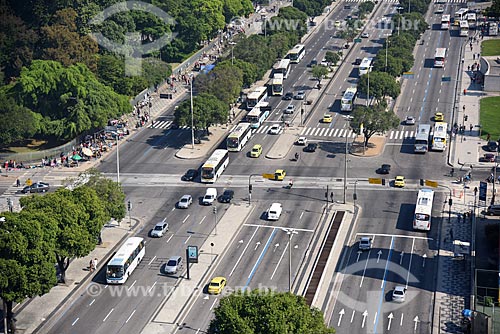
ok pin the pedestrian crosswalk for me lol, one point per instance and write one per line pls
(160, 125)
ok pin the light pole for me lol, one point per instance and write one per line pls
(215, 213)
(355, 195)
(345, 167)
(386, 47)
(399, 18)
(117, 157)
(192, 116)
(290, 232)
(368, 90)
(232, 52)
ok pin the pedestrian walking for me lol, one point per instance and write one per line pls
(18, 183)
(473, 56)
(468, 68)
(95, 263)
(488, 136)
(471, 127)
(465, 91)
(91, 266)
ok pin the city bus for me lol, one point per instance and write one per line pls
(464, 28)
(472, 20)
(258, 115)
(214, 166)
(259, 94)
(347, 101)
(277, 85)
(125, 260)
(439, 136)
(440, 57)
(238, 137)
(445, 21)
(365, 66)
(297, 53)
(460, 15)
(282, 67)
(422, 138)
(423, 210)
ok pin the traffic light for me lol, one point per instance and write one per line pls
(421, 182)
(214, 209)
(250, 188)
(450, 201)
(466, 117)
(129, 206)
(383, 182)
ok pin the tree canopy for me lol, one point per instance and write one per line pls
(381, 85)
(373, 120)
(259, 312)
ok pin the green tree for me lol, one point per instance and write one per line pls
(249, 71)
(17, 122)
(223, 82)
(381, 85)
(493, 10)
(259, 312)
(373, 120)
(364, 8)
(26, 257)
(332, 57)
(319, 72)
(255, 50)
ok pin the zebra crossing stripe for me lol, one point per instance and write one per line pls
(323, 131)
(401, 135)
(392, 134)
(335, 133)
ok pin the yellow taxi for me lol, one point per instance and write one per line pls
(216, 285)
(327, 118)
(256, 151)
(399, 181)
(279, 174)
(438, 117)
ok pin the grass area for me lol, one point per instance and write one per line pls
(490, 47)
(490, 117)
(32, 145)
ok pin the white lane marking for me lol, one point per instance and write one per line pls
(154, 257)
(352, 316)
(92, 302)
(130, 287)
(273, 227)
(279, 261)
(409, 265)
(394, 236)
(170, 238)
(392, 133)
(152, 287)
(364, 270)
(185, 242)
(106, 317)
(74, 322)
(213, 304)
(185, 219)
(387, 264)
(202, 219)
(243, 252)
(130, 316)
(401, 322)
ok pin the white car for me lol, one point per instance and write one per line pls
(160, 229)
(324, 62)
(410, 120)
(185, 202)
(301, 141)
(365, 35)
(275, 129)
(290, 109)
(300, 95)
(399, 294)
(365, 243)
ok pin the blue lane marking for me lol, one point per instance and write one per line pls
(259, 259)
(382, 295)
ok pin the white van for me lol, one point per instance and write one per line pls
(210, 196)
(274, 211)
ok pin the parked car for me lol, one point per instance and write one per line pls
(311, 147)
(185, 202)
(39, 187)
(190, 175)
(275, 129)
(492, 146)
(300, 95)
(384, 169)
(288, 96)
(173, 265)
(160, 229)
(226, 196)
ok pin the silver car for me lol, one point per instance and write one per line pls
(185, 202)
(399, 294)
(160, 229)
(173, 265)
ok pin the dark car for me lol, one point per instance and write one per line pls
(487, 157)
(288, 96)
(384, 169)
(493, 210)
(190, 175)
(492, 146)
(311, 147)
(39, 187)
(357, 61)
(226, 196)
(313, 62)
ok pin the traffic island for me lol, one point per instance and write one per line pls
(374, 147)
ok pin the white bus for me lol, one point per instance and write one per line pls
(464, 28)
(259, 94)
(422, 138)
(238, 137)
(365, 66)
(258, 115)
(472, 20)
(125, 260)
(440, 57)
(277, 85)
(214, 166)
(445, 21)
(460, 15)
(297, 53)
(439, 136)
(347, 101)
(423, 210)
(283, 67)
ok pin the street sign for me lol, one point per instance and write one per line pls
(192, 254)
(408, 75)
(446, 79)
(483, 189)
(357, 40)
(268, 176)
(430, 183)
(375, 180)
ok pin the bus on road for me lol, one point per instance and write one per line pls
(214, 166)
(472, 20)
(238, 137)
(445, 21)
(125, 260)
(365, 66)
(297, 53)
(423, 210)
(422, 138)
(258, 95)
(439, 136)
(277, 85)
(347, 101)
(440, 57)
(283, 67)
(464, 28)
(258, 115)
(460, 15)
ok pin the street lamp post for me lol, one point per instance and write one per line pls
(290, 232)
(355, 195)
(386, 47)
(117, 157)
(232, 52)
(368, 90)
(192, 116)
(345, 167)
(215, 213)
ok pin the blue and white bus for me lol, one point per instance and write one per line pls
(258, 95)
(125, 260)
(214, 166)
(238, 137)
(258, 115)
